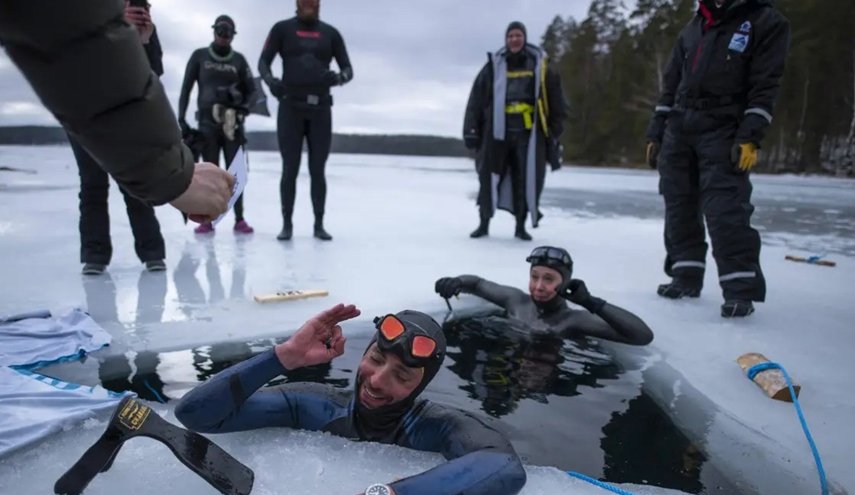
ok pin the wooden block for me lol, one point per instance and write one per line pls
(806, 260)
(771, 381)
(290, 295)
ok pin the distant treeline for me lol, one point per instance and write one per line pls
(379, 144)
(611, 62)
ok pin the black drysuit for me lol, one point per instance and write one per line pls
(306, 49)
(719, 89)
(225, 78)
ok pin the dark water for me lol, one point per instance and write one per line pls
(563, 404)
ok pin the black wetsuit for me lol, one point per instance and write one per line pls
(224, 77)
(557, 318)
(306, 50)
(480, 459)
(95, 243)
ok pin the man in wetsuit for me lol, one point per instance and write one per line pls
(405, 354)
(96, 247)
(225, 94)
(544, 308)
(306, 45)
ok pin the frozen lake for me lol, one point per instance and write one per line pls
(401, 222)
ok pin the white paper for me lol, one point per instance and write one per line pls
(238, 171)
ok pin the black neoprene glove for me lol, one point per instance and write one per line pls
(277, 88)
(331, 78)
(577, 292)
(447, 287)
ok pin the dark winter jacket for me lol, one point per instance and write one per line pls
(90, 70)
(727, 61)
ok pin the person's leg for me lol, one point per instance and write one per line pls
(211, 135)
(684, 228)
(485, 205)
(319, 137)
(95, 246)
(148, 241)
(230, 149)
(726, 203)
(517, 160)
(290, 132)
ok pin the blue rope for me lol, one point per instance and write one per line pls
(598, 483)
(156, 395)
(752, 372)
(816, 257)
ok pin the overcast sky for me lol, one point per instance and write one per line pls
(413, 60)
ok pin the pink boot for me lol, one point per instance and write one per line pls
(205, 228)
(243, 228)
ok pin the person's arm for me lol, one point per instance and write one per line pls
(603, 320)
(764, 76)
(481, 461)
(501, 295)
(473, 119)
(557, 103)
(89, 69)
(231, 401)
(191, 75)
(268, 53)
(247, 86)
(670, 82)
(342, 59)
(154, 53)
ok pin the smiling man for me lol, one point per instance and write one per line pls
(544, 307)
(403, 357)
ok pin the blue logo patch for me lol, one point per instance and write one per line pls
(745, 27)
(738, 43)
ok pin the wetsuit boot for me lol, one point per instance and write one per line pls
(520, 232)
(286, 232)
(320, 233)
(483, 228)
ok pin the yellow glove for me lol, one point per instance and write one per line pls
(743, 156)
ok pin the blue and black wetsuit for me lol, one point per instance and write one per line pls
(480, 459)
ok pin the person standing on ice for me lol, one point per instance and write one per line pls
(226, 91)
(544, 308)
(96, 247)
(306, 46)
(403, 357)
(718, 94)
(514, 119)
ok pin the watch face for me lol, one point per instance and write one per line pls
(378, 490)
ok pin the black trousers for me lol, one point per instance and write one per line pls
(295, 124)
(699, 183)
(95, 244)
(214, 143)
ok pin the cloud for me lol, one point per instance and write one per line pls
(414, 62)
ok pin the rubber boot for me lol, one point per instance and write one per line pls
(483, 229)
(520, 232)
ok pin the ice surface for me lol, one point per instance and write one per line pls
(401, 222)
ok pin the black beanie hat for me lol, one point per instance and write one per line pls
(517, 25)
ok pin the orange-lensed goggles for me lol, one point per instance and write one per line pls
(391, 328)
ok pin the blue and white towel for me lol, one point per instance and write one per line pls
(34, 406)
